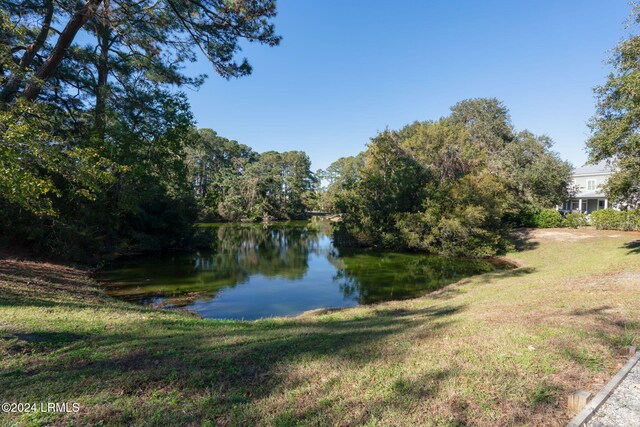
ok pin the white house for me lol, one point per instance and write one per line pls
(586, 194)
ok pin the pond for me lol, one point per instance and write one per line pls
(253, 271)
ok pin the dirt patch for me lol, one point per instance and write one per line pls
(568, 235)
(560, 235)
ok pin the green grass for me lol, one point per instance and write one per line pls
(504, 348)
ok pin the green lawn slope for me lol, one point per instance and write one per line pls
(505, 348)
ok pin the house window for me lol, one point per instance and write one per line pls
(600, 204)
(591, 184)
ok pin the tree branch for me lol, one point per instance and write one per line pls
(11, 87)
(50, 65)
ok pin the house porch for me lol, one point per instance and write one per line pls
(585, 205)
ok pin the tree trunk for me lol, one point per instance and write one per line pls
(10, 88)
(50, 65)
(104, 42)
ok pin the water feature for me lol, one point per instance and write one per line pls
(253, 271)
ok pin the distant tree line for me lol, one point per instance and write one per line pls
(232, 182)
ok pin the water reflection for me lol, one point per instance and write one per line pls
(373, 277)
(253, 271)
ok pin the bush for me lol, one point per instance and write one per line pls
(547, 218)
(606, 219)
(524, 217)
(609, 219)
(630, 220)
(575, 220)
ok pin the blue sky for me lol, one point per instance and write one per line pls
(347, 69)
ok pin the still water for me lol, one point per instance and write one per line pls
(254, 271)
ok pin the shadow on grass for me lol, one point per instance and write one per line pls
(591, 311)
(424, 386)
(38, 342)
(455, 289)
(232, 363)
(46, 285)
(614, 329)
(522, 240)
(504, 274)
(600, 324)
(47, 338)
(633, 247)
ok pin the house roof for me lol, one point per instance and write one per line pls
(603, 166)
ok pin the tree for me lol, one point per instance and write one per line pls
(451, 186)
(341, 177)
(213, 162)
(298, 182)
(616, 124)
(158, 35)
(33, 162)
(537, 175)
(96, 136)
(233, 182)
(487, 121)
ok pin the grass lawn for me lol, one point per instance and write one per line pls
(505, 348)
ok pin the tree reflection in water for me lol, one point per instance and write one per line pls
(372, 277)
(251, 271)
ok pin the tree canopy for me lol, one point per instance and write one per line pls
(99, 151)
(94, 132)
(340, 177)
(152, 37)
(451, 186)
(616, 124)
(233, 182)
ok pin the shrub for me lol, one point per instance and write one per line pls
(606, 219)
(630, 220)
(609, 219)
(524, 217)
(575, 220)
(547, 218)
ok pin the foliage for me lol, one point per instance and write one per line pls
(214, 162)
(547, 218)
(126, 192)
(273, 187)
(523, 218)
(551, 218)
(95, 137)
(152, 40)
(623, 186)
(575, 220)
(33, 160)
(610, 219)
(535, 174)
(616, 124)
(233, 182)
(341, 177)
(453, 186)
(487, 121)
